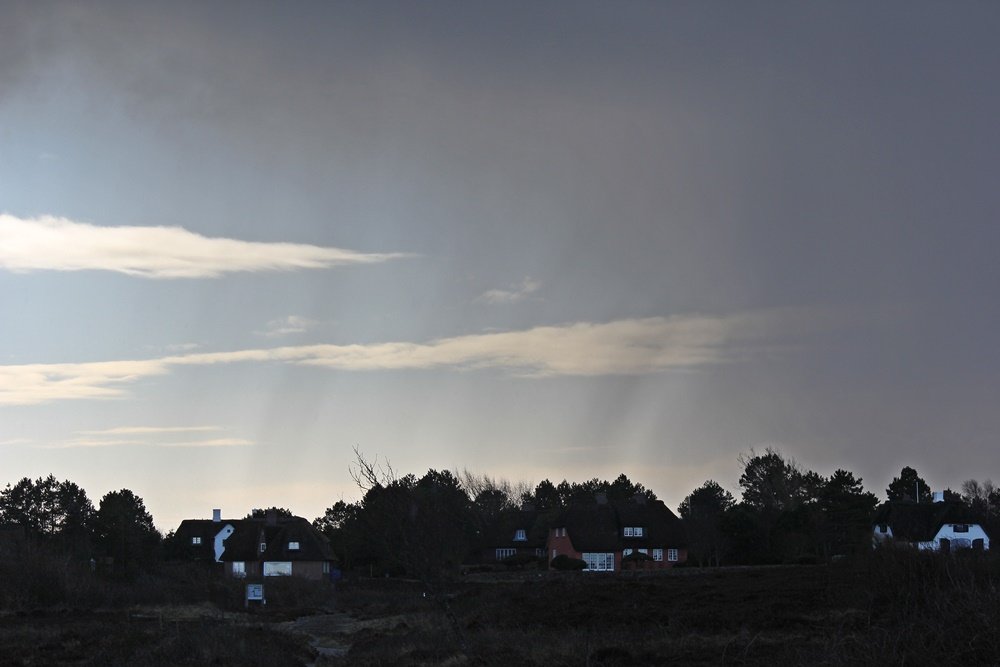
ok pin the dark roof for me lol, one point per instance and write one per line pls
(206, 529)
(594, 526)
(919, 522)
(249, 534)
(502, 533)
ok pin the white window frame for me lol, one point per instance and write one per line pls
(195, 541)
(293, 546)
(628, 531)
(263, 547)
(599, 562)
(506, 552)
(672, 555)
(277, 568)
(637, 531)
(658, 554)
(239, 568)
(626, 552)
(520, 535)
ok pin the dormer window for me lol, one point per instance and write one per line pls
(195, 541)
(293, 546)
(520, 535)
(263, 547)
(633, 531)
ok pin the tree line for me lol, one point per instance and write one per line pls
(59, 515)
(424, 526)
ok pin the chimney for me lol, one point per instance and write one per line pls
(271, 518)
(938, 496)
(601, 497)
(217, 515)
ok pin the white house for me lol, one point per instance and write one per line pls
(937, 526)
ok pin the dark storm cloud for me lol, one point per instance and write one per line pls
(636, 159)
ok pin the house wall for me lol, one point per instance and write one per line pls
(561, 545)
(564, 546)
(308, 569)
(947, 532)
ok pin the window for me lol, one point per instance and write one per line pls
(326, 567)
(882, 528)
(239, 568)
(672, 555)
(637, 531)
(961, 527)
(263, 547)
(540, 552)
(560, 532)
(633, 531)
(644, 551)
(520, 535)
(628, 531)
(505, 553)
(599, 562)
(293, 546)
(658, 554)
(272, 569)
(626, 552)
(195, 540)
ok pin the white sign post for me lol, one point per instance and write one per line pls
(255, 592)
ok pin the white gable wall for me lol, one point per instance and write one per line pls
(960, 540)
(220, 538)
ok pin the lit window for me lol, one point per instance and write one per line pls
(277, 569)
(628, 531)
(505, 553)
(599, 562)
(195, 540)
(520, 535)
(658, 554)
(672, 555)
(293, 546)
(239, 568)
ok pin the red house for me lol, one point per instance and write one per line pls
(614, 536)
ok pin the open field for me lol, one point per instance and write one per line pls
(889, 608)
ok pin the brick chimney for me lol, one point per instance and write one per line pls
(217, 515)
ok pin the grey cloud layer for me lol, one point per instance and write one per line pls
(622, 347)
(60, 244)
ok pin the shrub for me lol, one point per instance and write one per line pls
(521, 561)
(565, 563)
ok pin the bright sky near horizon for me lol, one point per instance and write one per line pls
(537, 240)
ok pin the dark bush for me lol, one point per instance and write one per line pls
(565, 563)
(522, 561)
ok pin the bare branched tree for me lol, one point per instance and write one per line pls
(370, 474)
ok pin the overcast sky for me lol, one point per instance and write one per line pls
(558, 240)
